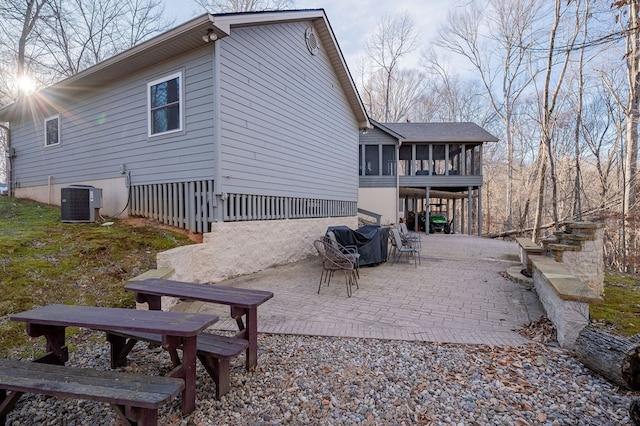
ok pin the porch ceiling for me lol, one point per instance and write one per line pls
(433, 193)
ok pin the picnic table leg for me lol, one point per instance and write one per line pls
(189, 350)
(250, 333)
(154, 302)
(57, 352)
(186, 370)
(120, 348)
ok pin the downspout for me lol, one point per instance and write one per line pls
(398, 184)
(219, 193)
(9, 156)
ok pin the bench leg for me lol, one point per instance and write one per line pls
(120, 348)
(7, 402)
(136, 415)
(220, 372)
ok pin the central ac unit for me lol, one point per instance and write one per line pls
(80, 203)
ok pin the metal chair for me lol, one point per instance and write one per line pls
(412, 237)
(350, 251)
(333, 260)
(403, 246)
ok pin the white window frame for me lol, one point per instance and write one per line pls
(46, 133)
(155, 82)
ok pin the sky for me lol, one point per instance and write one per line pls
(353, 20)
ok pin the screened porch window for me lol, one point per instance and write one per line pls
(165, 104)
(388, 160)
(422, 159)
(371, 160)
(404, 163)
(439, 159)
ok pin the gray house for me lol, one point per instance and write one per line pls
(408, 170)
(241, 119)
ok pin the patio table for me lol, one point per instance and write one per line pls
(242, 302)
(177, 330)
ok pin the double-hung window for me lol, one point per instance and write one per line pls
(52, 131)
(165, 104)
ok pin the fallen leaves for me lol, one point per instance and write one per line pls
(541, 331)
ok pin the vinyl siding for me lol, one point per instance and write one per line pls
(107, 128)
(377, 137)
(286, 126)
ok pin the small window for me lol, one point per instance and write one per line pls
(52, 131)
(165, 104)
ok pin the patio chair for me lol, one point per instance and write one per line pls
(349, 251)
(412, 237)
(403, 246)
(333, 260)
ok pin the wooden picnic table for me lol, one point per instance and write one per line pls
(177, 330)
(242, 302)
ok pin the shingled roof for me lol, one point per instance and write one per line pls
(438, 132)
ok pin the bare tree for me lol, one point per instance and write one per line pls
(402, 102)
(548, 104)
(456, 98)
(629, 19)
(602, 123)
(18, 20)
(501, 60)
(81, 33)
(577, 189)
(393, 38)
(233, 6)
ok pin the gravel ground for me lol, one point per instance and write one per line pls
(335, 381)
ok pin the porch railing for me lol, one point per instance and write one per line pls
(187, 205)
(240, 207)
(191, 205)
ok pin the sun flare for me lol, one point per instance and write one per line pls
(26, 85)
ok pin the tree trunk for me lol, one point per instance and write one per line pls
(631, 138)
(540, 195)
(613, 357)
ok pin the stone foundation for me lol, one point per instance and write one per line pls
(239, 248)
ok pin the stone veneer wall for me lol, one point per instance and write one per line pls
(238, 248)
(569, 317)
(581, 251)
(588, 263)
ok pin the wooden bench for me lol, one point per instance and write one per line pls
(528, 248)
(134, 397)
(214, 352)
(564, 296)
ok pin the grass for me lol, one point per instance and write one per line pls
(620, 312)
(44, 261)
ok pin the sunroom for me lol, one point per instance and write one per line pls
(409, 170)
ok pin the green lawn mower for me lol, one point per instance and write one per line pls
(438, 220)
